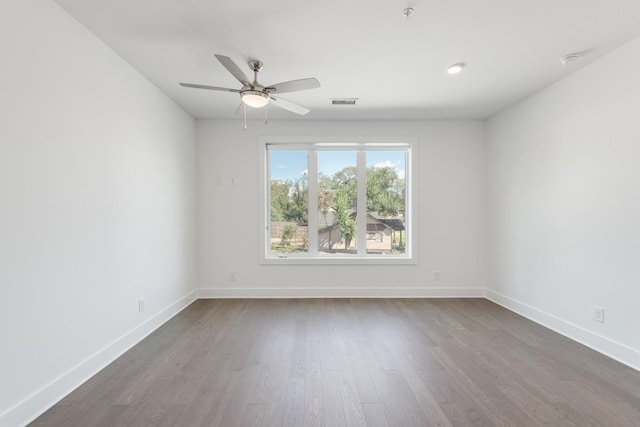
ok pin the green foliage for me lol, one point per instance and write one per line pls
(289, 201)
(287, 249)
(385, 192)
(299, 202)
(345, 181)
(279, 200)
(287, 234)
(338, 193)
(346, 223)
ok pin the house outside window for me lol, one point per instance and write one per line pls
(337, 202)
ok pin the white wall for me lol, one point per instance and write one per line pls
(450, 179)
(563, 179)
(98, 190)
(97, 206)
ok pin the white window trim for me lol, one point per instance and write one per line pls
(336, 143)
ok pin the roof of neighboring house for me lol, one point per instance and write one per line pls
(393, 223)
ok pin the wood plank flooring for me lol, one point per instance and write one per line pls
(354, 362)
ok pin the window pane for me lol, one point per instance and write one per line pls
(289, 191)
(386, 212)
(354, 195)
(337, 202)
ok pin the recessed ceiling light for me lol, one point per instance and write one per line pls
(456, 68)
(570, 58)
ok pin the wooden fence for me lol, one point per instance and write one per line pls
(299, 235)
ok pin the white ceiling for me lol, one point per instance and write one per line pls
(362, 49)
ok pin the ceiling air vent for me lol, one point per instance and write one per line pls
(343, 101)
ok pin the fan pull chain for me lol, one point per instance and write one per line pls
(265, 115)
(244, 107)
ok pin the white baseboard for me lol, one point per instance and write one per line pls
(341, 292)
(615, 350)
(37, 403)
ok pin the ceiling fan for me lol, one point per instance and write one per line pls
(255, 95)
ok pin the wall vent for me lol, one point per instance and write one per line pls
(343, 101)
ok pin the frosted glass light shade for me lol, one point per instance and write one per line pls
(255, 99)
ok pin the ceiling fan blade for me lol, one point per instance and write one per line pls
(234, 69)
(224, 89)
(289, 106)
(294, 85)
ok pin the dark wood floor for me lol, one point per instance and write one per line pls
(375, 362)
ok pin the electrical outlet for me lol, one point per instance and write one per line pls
(598, 314)
(436, 275)
(232, 276)
(141, 305)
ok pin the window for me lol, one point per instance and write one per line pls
(337, 202)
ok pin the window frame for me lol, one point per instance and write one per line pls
(359, 144)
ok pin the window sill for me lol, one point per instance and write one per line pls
(351, 260)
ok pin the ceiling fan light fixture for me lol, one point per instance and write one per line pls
(254, 98)
(456, 68)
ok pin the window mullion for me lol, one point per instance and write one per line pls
(267, 205)
(361, 218)
(312, 203)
